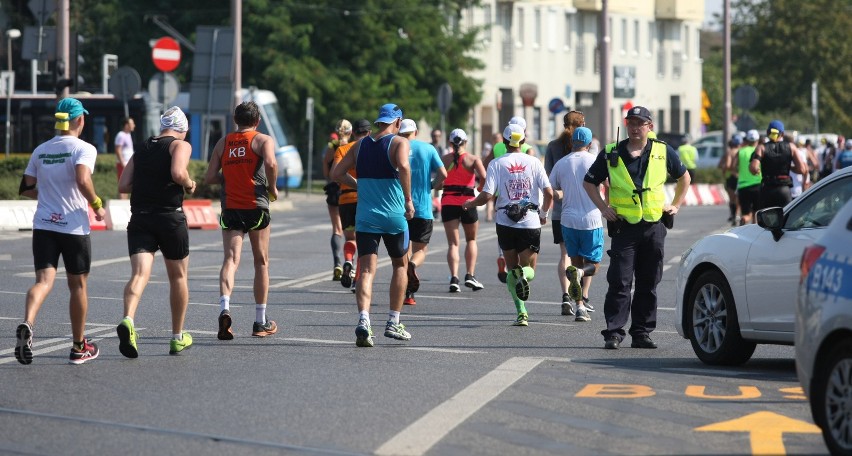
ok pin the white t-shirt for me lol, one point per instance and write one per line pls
(799, 179)
(61, 206)
(515, 177)
(578, 210)
(124, 140)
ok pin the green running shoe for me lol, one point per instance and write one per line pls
(522, 285)
(363, 334)
(177, 346)
(522, 320)
(575, 288)
(396, 331)
(127, 339)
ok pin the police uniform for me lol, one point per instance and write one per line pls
(638, 197)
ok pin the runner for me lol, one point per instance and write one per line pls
(156, 179)
(424, 161)
(385, 205)
(464, 170)
(520, 179)
(748, 184)
(348, 203)
(249, 170)
(332, 192)
(59, 176)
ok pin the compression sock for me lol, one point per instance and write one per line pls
(337, 248)
(349, 250)
(510, 284)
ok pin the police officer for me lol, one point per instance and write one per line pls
(773, 161)
(637, 169)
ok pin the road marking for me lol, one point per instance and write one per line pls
(766, 430)
(425, 432)
(443, 350)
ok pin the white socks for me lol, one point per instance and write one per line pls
(260, 313)
(364, 315)
(224, 302)
(394, 317)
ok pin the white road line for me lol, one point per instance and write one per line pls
(442, 350)
(423, 434)
(320, 341)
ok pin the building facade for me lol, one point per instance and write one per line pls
(537, 51)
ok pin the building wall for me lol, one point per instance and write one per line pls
(552, 44)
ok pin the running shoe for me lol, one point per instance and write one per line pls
(363, 334)
(575, 289)
(225, 331)
(522, 320)
(454, 285)
(413, 280)
(582, 314)
(409, 299)
(522, 285)
(471, 282)
(337, 274)
(589, 307)
(127, 339)
(567, 305)
(348, 275)
(396, 331)
(177, 346)
(24, 343)
(264, 329)
(87, 353)
(501, 269)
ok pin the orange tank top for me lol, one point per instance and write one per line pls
(244, 177)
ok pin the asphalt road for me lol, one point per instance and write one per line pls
(467, 383)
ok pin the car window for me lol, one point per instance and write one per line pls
(820, 207)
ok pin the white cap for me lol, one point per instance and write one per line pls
(514, 134)
(407, 126)
(174, 119)
(752, 135)
(518, 121)
(458, 136)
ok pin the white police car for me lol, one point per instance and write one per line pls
(824, 331)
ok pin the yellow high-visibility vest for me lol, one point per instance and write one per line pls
(629, 202)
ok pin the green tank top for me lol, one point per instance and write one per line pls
(500, 149)
(688, 154)
(746, 178)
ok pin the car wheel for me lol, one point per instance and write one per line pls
(712, 322)
(831, 399)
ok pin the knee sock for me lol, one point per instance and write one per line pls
(260, 313)
(349, 250)
(337, 248)
(224, 302)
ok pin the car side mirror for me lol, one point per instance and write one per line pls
(772, 219)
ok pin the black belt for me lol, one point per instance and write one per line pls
(156, 210)
(458, 190)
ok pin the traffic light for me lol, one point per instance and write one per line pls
(705, 105)
(60, 81)
(76, 44)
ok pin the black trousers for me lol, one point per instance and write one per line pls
(636, 251)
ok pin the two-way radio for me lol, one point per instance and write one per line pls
(613, 154)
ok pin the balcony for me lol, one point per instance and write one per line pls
(681, 10)
(643, 8)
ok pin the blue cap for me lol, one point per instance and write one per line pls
(389, 113)
(582, 137)
(72, 107)
(776, 125)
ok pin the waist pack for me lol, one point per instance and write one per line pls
(516, 212)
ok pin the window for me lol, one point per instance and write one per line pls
(636, 37)
(520, 40)
(686, 47)
(624, 36)
(568, 29)
(552, 26)
(819, 208)
(486, 22)
(537, 28)
(650, 37)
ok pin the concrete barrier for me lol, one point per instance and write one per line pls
(17, 214)
(200, 214)
(118, 214)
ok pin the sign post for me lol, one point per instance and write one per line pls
(445, 100)
(309, 116)
(166, 57)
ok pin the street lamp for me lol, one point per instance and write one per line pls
(11, 34)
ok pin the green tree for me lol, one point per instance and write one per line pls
(782, 46)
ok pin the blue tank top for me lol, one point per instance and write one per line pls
(381, 203)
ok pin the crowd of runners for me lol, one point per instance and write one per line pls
(381, 182)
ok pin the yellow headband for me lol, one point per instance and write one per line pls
(773, 134)
(62, 123)
(515, 141)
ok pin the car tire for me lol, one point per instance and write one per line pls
(712, 323)
(830, 402)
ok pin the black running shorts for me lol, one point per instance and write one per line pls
(368, 243)
(76, 251)
(244, 220)
(149, 232)
(420, 230)
(467, 217)
(557, 231)
(519, 239)
(749, 199)
(347, 215)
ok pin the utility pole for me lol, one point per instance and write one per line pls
(237, 16)
(606, 77)
(726, 125)
(63, 36)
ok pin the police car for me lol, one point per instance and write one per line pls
(738, 289)
(824, 331)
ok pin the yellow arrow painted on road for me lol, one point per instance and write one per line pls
(766, 429)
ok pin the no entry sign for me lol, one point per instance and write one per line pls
(166, 54)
